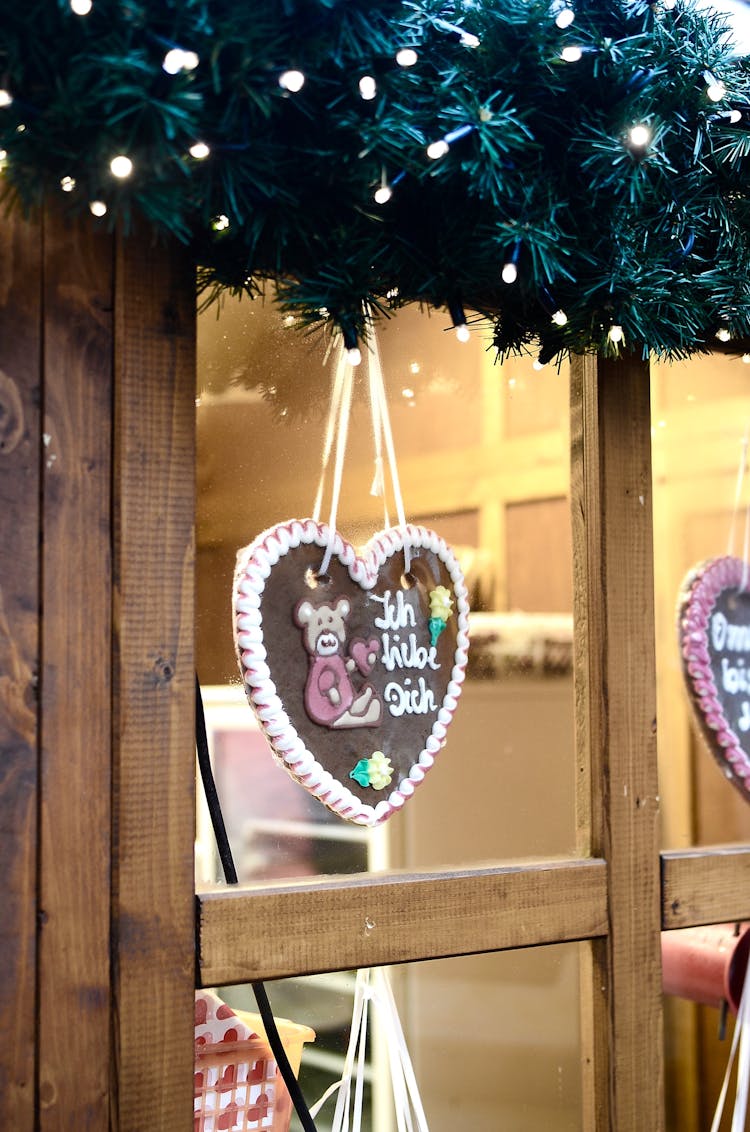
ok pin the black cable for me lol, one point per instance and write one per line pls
(230, 875)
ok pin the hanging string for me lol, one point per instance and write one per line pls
(373, 987)
(342, 432)
(230, 875)
(741, 1040)
(334, 409)
(382, 424)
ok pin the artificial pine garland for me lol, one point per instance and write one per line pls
(576, 171)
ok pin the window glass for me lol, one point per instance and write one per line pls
(700, 411)
(482, 452)
(493, 1039)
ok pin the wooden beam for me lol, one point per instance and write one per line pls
(345, 923)
(153, 925)
(75, 834)
(616, 737)
(705, 886)
(20, 445)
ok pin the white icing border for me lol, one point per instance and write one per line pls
(254, 563)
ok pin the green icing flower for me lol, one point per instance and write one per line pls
(376, 772)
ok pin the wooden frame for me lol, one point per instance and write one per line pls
(96, 687)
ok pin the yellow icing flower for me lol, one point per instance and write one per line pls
(380, 770)
(441, 603)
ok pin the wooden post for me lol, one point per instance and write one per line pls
(96, 680)
(20, 440)
(616, 738)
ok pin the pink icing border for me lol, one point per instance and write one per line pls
(254, 564)
(701, 588)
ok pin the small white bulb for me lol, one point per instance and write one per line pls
(81, 7)
(190, 60)
(537, 364)
(559, 318)
(293, 81)
(407, 392)
(469, 39)
(640, 135)
(98, 208)
(174, 61)
(3, 156)
(67, 184)
(406, 57)
(723, 334)
(616, 334)
(354, 356)
(735, 117)
(437, 149)
(5, 98)
(564, 18)
(716, 91)
(746, 359)
(199, 151)
(220, 223)
(121, 166)
(463, 333)
(571, 54)
(368, 88)
(509, 273)
(383, 194)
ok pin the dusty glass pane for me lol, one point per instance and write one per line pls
(701, 410)
(493, 1039)
(483, 459)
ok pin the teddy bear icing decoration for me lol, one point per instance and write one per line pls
(330, 695)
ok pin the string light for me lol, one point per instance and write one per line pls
(98, 208)
(121, 166)
(220, 223)
(640, 135)
(368, 88)
(463, 334)
(354, 355)
(537, 364)
(293, 81)
(746, 359)
(715, 89)
(439, 148)
(177, 59)
(81, 7)
(6, 98)
(509, 274)
(67, 184)
(458, 318)
(467, 38)
(406, 57)
(199, 150)
(564, 15)
(615, 333)
(571, 54)
(559, 317)
(723, 334)
(384, 192)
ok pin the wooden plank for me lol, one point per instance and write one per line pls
(269, 933)
(20, 442)
(614, 607)
(75, 833)
(154, 686)
(705, 886)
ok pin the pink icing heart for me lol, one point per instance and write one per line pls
(364, 654)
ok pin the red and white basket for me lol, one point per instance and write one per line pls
(237, 1084)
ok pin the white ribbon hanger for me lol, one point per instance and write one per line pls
(373, 991)
(741, 1039)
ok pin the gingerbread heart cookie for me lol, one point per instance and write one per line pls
(354, 676)
(714, 633)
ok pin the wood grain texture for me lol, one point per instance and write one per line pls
(269, 933)
(705, 886)
(617, 731)
(75, 832)
(20, 441)
(154, 687)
